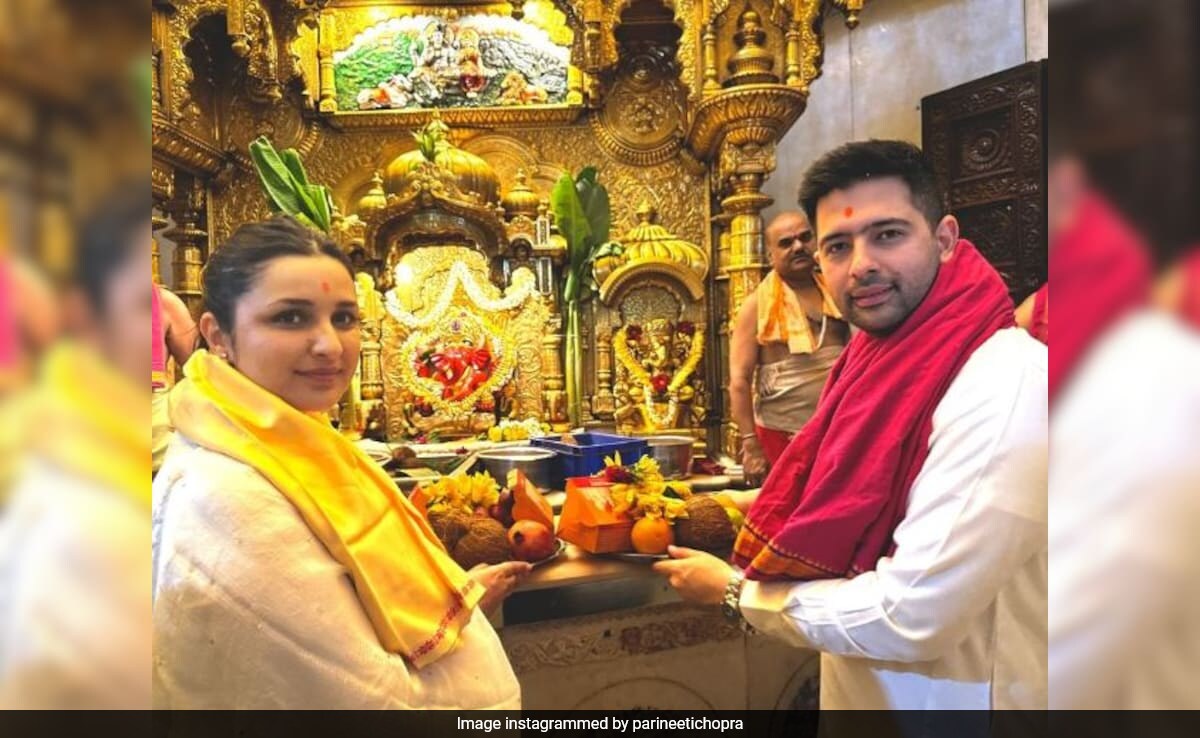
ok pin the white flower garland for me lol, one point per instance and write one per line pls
(524, 284)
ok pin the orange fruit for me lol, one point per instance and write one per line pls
(652, 536)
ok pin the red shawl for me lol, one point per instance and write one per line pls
(1040, 320)
(829, 507)
(1100, 270)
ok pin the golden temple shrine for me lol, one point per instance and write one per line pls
(679, 109)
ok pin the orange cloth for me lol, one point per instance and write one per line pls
(416, 597)
(781, 317)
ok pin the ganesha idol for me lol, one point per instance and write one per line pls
(657, 385)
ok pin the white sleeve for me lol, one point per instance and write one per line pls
(976, 513)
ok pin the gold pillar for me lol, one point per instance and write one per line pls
(157, 223)
(554, 397)
(326, 101)
(603, 402)
(792, 75)
(744, 169)
(710, 59)
(190, 243)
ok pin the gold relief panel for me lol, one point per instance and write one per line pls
(644, 114)
(414, 56)
(677, 194)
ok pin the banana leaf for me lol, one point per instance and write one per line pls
(275, 177)
(594, 199)
(291, 160)
(572, 220)
(287, 187)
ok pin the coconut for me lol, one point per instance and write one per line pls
(486, 542)
(707, 527)
(449, 526)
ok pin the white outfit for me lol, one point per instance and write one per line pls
(956, 617)
(1124, 514)
(74, 618)
(250, 610)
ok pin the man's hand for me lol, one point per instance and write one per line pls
(498, 580)
(697, 576)
(754, 462)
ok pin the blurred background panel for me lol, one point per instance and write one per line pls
(1125, 96)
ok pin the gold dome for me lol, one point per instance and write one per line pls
(470, 173)
(375, 199)
(521, 199)
(648, 247)
(648, 241)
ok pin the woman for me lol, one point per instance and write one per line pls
(289, 572)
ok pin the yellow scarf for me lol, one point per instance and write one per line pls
(781, 317)
(90, 419)
(416, 597)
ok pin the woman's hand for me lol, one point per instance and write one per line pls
(696, 575)
(499, 581)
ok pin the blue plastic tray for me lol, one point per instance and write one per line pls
(587, 458)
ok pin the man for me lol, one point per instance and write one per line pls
(786, 337)
(903, 533)
(174, 332)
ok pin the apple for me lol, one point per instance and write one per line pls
(531, 541)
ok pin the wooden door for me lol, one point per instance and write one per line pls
(987, 142)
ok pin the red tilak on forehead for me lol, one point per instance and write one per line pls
(325, 287)
(848, 212)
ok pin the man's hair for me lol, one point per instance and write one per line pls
(859, 161)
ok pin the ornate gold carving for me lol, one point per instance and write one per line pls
(256, 43)
(812, 45)
(467, 117)
(851, 9)
(642, 119)
(750, 113)
(752, 62)
(183, 149)
(162, 180)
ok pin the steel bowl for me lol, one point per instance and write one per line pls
(673, 454)
(538, 464)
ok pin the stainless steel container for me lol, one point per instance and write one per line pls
(537, 464)
(673, 454)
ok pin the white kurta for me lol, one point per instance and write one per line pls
(956, 617)
(250, 610)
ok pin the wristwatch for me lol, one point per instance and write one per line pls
(731, 605)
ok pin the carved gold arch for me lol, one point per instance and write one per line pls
(252, 37)
(629, 274)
